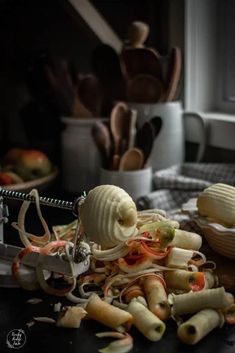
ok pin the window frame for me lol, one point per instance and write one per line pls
(203, 85)
(225, 104)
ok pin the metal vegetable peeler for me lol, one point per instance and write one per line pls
(55, 263)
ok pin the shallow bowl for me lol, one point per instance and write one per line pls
(40, 184)
(221, 239)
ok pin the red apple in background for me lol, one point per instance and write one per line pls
(5, 179)
(9, 178)
(33, 164)
(11, 157)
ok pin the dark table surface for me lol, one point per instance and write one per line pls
(15, 313)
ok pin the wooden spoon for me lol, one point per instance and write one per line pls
(106, 63)
(115, 162)
(145, 139)
(101, 136)
(137, 34)
(118, 125)
(79, 110)
(90, 93)
(131, 128)
(141, 61)
(144, 89)
(132, 159)
(107, 67)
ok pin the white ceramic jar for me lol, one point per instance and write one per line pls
(79, 154)
(169, 145)
(136, 182)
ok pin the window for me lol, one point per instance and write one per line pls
(226, 94)
(210, 68)
(210, 55)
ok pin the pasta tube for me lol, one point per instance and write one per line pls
(71, 317)
(188, 303)
(179, 258)
(186, 240)
(199, 325)
(133, 291)
(156, 297)
(146, 322)
(229, 314)
(211, 280)
(184, 280)
(108, 314)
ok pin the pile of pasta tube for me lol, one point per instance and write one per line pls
(148, 273)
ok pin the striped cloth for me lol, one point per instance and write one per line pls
(176, 185)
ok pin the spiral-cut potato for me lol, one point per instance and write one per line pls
(108, 215)
(218, 202)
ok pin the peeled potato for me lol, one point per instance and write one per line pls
(108, 215)
(218, 202)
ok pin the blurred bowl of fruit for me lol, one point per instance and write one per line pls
(25, 169)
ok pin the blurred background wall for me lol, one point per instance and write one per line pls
(29, 27)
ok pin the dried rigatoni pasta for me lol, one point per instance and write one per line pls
(133, 291)
(199, 325)
(186, 240)
(146, 322)
(184, 280)
(156, 297)
(179, 258)
(108, 314)
(188, 303)
(211, 280)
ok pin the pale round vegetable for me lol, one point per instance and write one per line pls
(108, 215)
(217, 202)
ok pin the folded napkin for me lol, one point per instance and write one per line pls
(167, 200)
(176, 185)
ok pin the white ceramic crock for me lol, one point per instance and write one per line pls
(169, 145)
(80, 156)
(136, 183)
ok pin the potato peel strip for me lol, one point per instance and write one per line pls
(124, 344)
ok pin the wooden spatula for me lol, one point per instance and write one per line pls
(117, 124)
(144, 139)
(141, 61)
(137, 34)
(122, 125)
(173, 74)
(132, 159)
